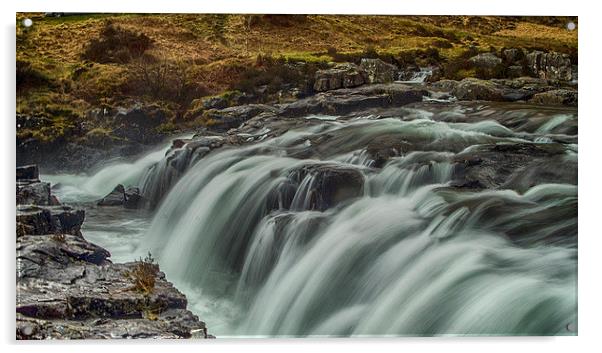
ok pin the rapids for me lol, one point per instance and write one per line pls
(255, 238)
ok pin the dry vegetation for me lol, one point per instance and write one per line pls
(67, 65)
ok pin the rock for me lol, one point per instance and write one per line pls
(514, 71)
(114, 198)
(329, 185)
(517, 165)
(38, 220)
(445, 85)
(551, 66)
(37, 193)
(556, 97)
(512, 55)
(475, 89)
(133, 198)
(67, 288)
(28, 172)
(138, 123)
(485, 60)
(231, 117)
(345, 101)
(378, 71)
(341, 76)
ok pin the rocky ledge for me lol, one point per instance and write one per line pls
(67, 288)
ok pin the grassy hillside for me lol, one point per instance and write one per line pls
(68, 65)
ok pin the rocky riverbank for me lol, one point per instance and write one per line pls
(68, 288)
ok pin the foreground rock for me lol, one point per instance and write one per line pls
(67, 288)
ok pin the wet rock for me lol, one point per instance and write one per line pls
(231, 117)
(567, 97)
(67, 288)
(329, 184)
(38, 220)
(378, 71)
(133, 198)
(385, 147)
(551, 65)
(345, 101)
(475, 89)
(341, 76)
(114, 198)
(36, 193)
(508, 166)
(28, 172)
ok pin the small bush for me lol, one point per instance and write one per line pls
(144, 274)
(163, 80)
(116, 45)
(58, 237)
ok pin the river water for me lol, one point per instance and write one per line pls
(407, 256)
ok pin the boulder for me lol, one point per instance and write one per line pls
(133, 198)
(550, 66)
(28, 172)
(378, 71)
(114, 198)
(38, 220)
(485, 60)
(556, 97)
(475, 89)
(341, 76)
(36, 193)
(512, 56)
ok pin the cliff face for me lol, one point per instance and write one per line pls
(67, 288)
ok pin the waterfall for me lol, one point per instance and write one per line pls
(419, 76)
(330, 245)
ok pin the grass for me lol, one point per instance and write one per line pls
(204, 55)
(144, 275)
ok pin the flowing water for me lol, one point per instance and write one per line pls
(251, 236)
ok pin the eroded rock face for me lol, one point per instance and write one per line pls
(341, 76)
(28, 172)
(38, 220)
(551, 66)
(378, 71)
(36, 193)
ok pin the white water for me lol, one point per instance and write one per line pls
(408, 257)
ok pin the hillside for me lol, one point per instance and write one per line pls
(68, 66)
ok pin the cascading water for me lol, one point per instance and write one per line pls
(359, 227)
(262, 232)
